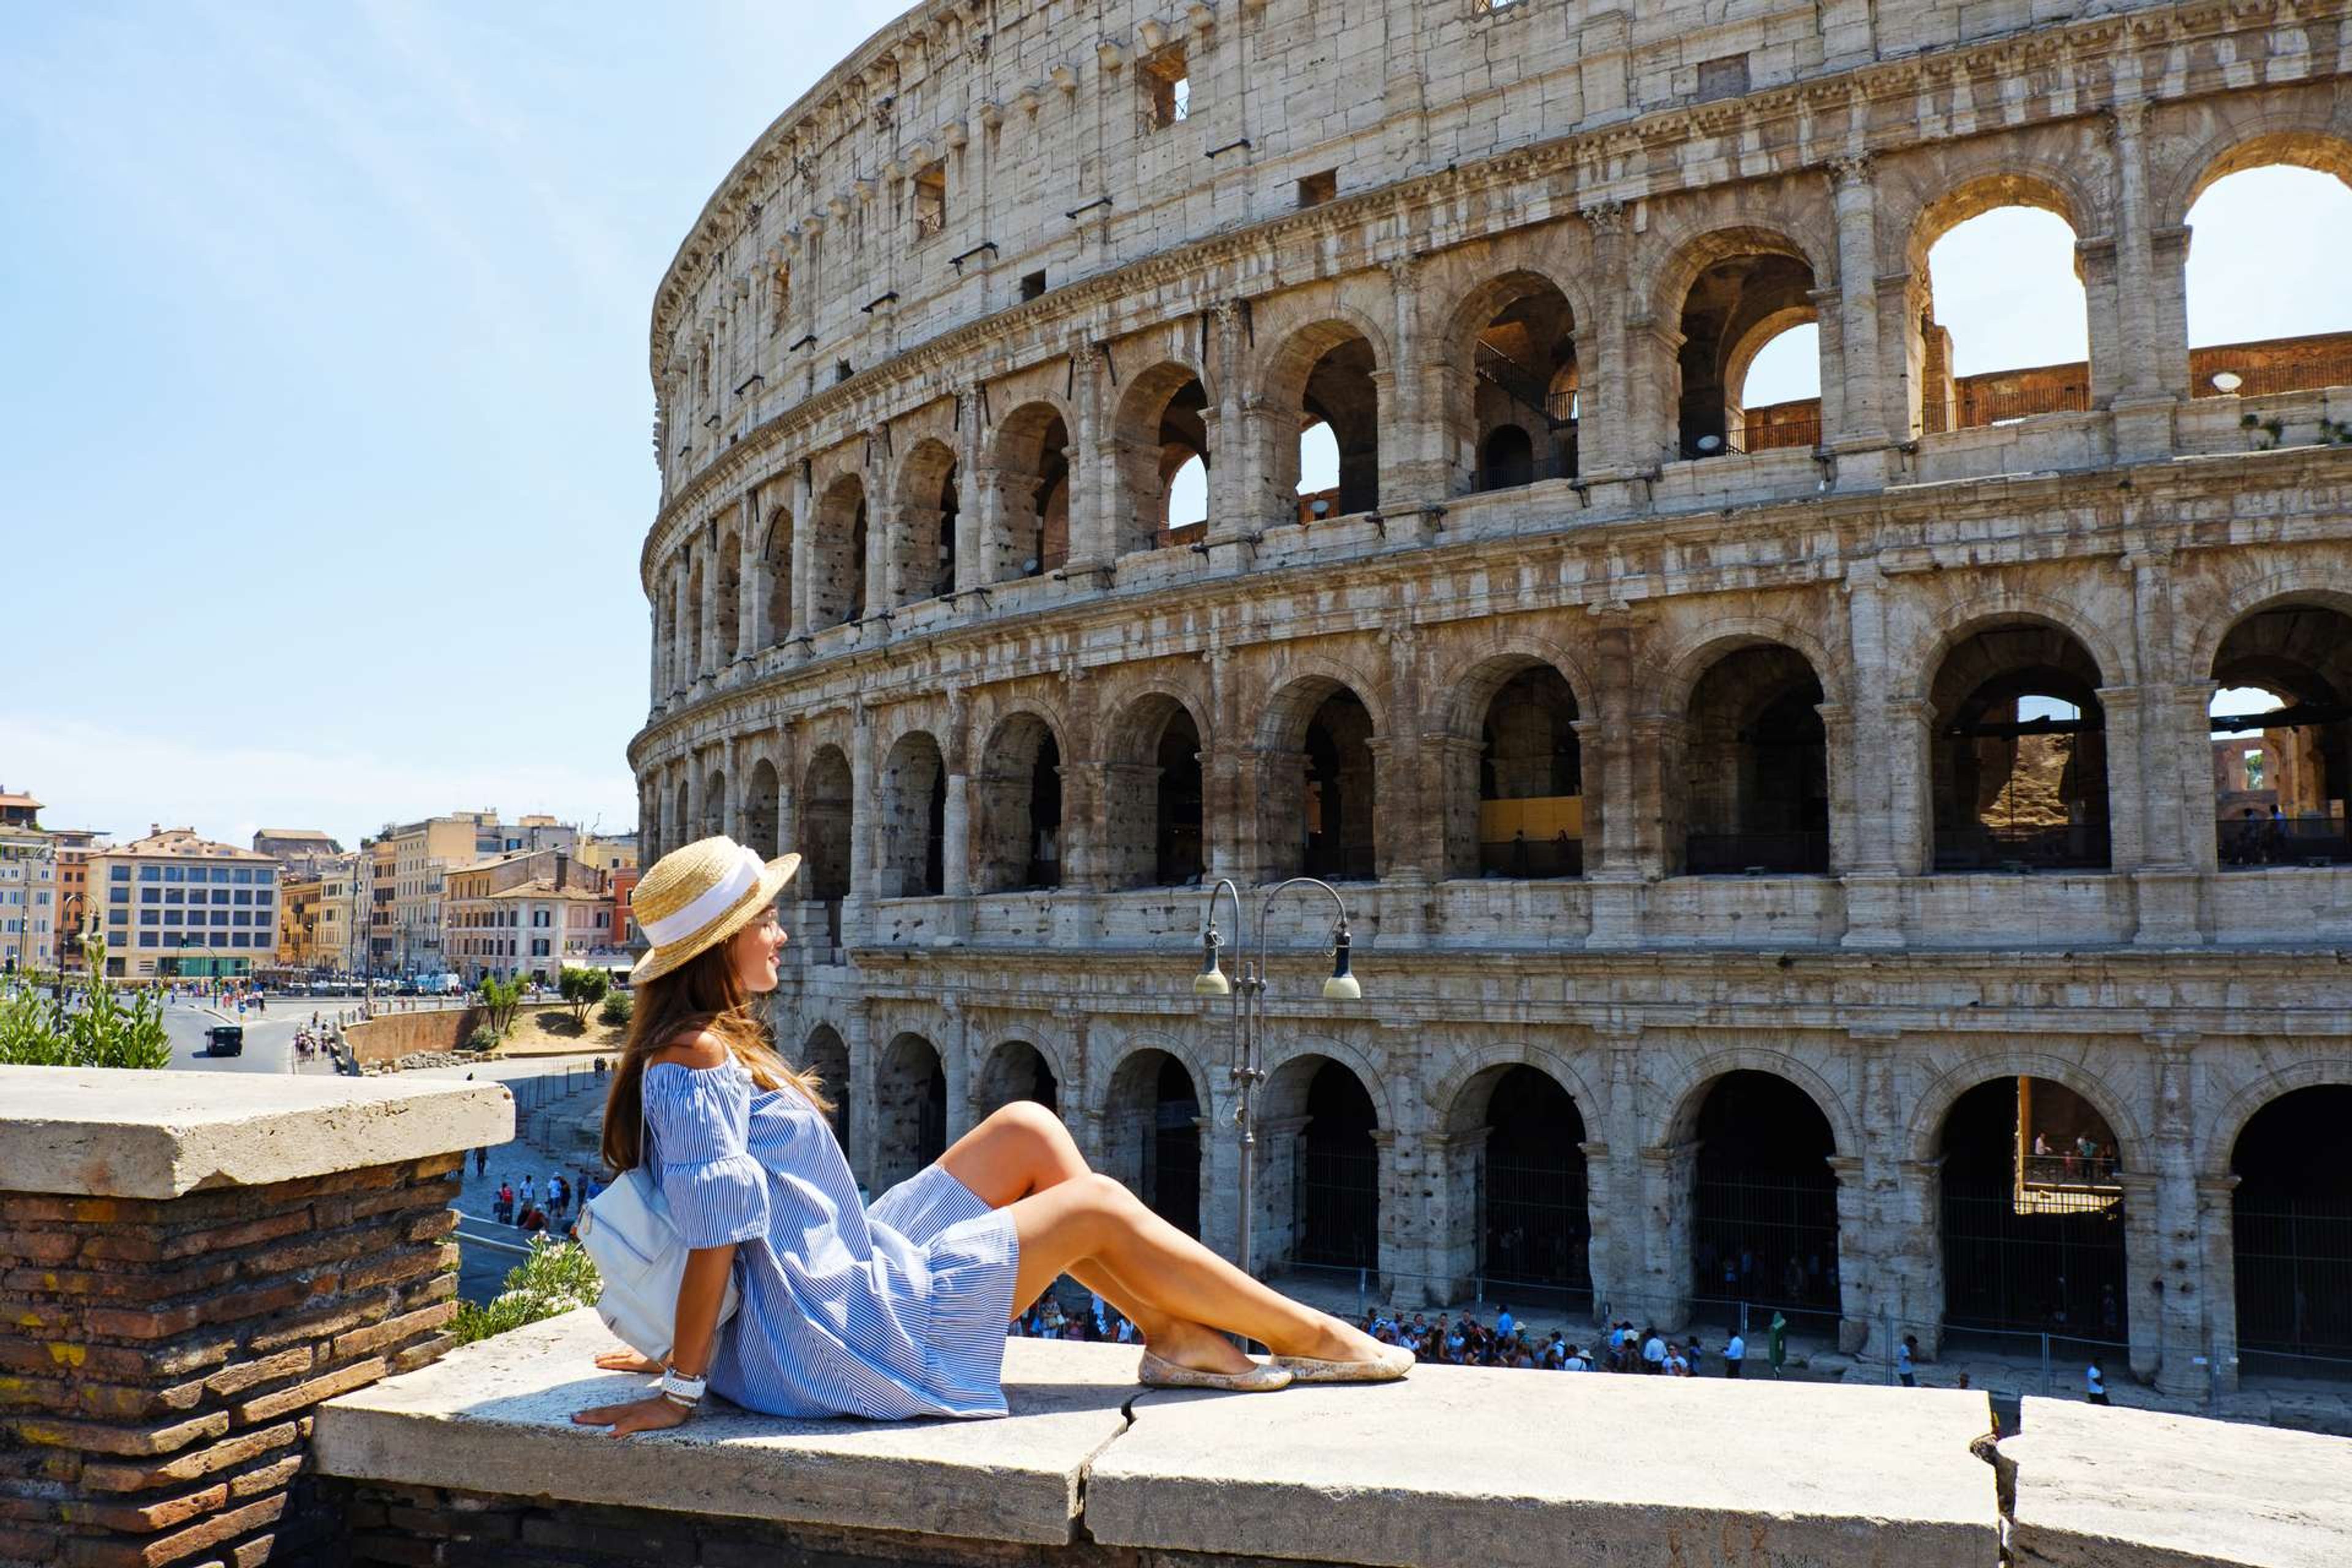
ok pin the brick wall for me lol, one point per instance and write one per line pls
(393, 1035)
(156, 1396)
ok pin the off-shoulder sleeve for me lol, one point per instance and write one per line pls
(717, 1193)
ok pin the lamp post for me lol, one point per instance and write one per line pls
(1248, 992)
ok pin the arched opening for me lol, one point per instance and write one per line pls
(2291, 1216)
(911, 1110)
(1164, 458)
(1018, 1070)
(1523, 384)
(666, 673)
(1530, 780)
(729, 595)
(693, 665)
(714, 804)
(1776, 383)
(2032, 1213)
(1756, 780)
(681, 819)
(837, 596)
(1032, 459)
(1336, 802)
(826, 823)
(1327, 373)
(778, 556)
(914, 819)
(2021, 753)
(1153, 799)
(2282, 738)
(2002, 325)
(1152, 1136)
(923, 554)
(760, 810)
(2266, 309)
(1319, 1197)
(828, 1057)
(1020, 807)
(1764, 1229)
(1534, 1226)
(1732, 308)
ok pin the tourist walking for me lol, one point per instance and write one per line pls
(2095, 1384)
(1906, 1368)
(1735, 1353)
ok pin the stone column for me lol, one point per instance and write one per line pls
(2144, 1244)
(1604, 432)
(1449, 1169)
(863, 827)
(731, 808)
(957, 1043)
(1668, 1174)
(881, 533)
(655, 676)
(708, 656)
(2094, 259)
(2179, 1268)
(1600, 1205)
(788, 816)
(803, 555)
(2149, 387)
(974, 481)
(1413, 460)
(864, 1087)
(1858, 1274)
(1838, 734)
(1094, 469)
(752, 583)
(2127, 794)
(1915, 1209)
(195, 1267)
(2217, 1240)
(1873, 911)
(1234, 476)
(682, 666)
(1863, 424)
(1621, 1214)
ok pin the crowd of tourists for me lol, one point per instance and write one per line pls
(537, 1208)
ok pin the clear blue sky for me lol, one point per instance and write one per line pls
(327, 432)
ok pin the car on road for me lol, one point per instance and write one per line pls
(224, 1040)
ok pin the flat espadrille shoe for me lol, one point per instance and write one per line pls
(1394, 1361)
(1157, 1372)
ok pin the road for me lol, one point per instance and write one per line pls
(268, 1039)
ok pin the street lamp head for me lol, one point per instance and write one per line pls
(1342, 986)
(1211, 981)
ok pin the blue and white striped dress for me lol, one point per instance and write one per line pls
(892, 1311)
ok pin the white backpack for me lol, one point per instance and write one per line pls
(641, 1258)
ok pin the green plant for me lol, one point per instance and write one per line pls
(481, 1038)
(499, 1000)
(583, 988)
(557, 1278)
(106, 1029)
(618, 1008)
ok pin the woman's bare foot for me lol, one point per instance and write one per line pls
(1201, 1349)
(627, 1360)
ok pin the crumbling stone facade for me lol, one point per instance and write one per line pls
(1780, 664)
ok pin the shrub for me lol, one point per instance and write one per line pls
(482, 1037)
(617, 1009)
(583, 988)
(555, 1279)
(103, 1030)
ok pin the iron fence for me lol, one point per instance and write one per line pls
(2066, 846)
(1720, 854)
(2295, 1276)
(1532, 859)
(1534, 1229)
(1335, 1206)
(2058, 1269)
(2247, 841)
(1766, 1241)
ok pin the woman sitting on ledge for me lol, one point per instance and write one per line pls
(898, 1310)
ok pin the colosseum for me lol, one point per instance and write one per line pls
(1791, 852)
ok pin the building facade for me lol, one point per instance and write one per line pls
(179, 906)
(29, 919)
(520, 912)
(1780, 846)
(300, 852)
(76, 909)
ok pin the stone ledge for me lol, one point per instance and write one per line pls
(1491, 1469)
(116, 1134)
(497, 1417)
(2107, 1489)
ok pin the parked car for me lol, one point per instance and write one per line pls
(224, 1040)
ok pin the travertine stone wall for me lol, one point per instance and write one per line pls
(1608, 176)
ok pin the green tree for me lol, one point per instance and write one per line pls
(97, 1028)
(499, 1000)
(617, 1009)
(583, 988)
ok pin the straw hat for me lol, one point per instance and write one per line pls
(697, 895)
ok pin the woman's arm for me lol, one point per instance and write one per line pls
(699, 1290)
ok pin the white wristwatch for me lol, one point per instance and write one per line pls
(682, 1390)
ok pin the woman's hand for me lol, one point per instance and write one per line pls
(626, 1360)
(652, 1414)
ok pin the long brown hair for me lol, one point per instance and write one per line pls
(700, 996)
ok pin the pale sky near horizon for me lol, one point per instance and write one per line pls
(328, 431)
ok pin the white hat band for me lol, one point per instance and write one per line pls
(708, 905)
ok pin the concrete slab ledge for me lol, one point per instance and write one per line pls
(89, 1133)
(2142, 1488)
(1452, 1467)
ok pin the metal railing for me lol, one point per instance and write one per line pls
(1719, 854)
(2249, 841)
(2069, 847)
(1532, 859)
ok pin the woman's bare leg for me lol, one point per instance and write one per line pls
(1025, 1149)
(1095, 1218)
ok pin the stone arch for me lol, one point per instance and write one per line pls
(2289, 1208)
(776, 552)
(2275, 782)
(2017, 182)
(825, 1053)
(2007, 785)
(1155, 1119)
(1157, 427)
(1154, 791)
(2226, 1123)
(839, 593)
(1294, 689)
(1349, 1055)
(1680, 667)
(1716, 286)
(2318, 144)
(760, 800)
(1318, 781)
(1030, 449)
(1752, 787)
(1513, 376)
(1516, 1212)
(2326, 587)
(1681, 1095)
(1932, 1104)
(910, 1110)
(1320, 1189)
(714, 803)
(694, 669)
(1329, 372)
(1496, 760)
(1020, 1067)
(909, 861)
(1957, 624)
(728, 590)
(1018, 840)
(923, 547)
(1446, 1095)
(682, 816)
(827, 814)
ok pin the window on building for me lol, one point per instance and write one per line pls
(175, 874)
(151, 873)
(220, 896)
(118, 895)
(118, 873)
(930, 200)
(1167, 81)
(220, 874)
(1317, 189)
(1033, 286)
(244, 874)
(175, 895)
